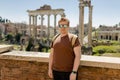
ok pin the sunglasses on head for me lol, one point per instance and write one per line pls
(63, 25)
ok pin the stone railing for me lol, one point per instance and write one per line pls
(5, 48)
(18, 65)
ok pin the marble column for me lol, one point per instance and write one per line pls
(30, 25)
(35, 28)
(118, 36)
(55, 32)
(81, 23)
(41, 34)
(90, 27)
(33, 20)
(48, 29)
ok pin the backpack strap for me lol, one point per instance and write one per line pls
(74, 37)
(73, 40)
(55, 37)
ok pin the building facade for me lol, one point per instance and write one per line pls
(108, 33)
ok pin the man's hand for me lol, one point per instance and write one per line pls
(73, 76)
(50, 74)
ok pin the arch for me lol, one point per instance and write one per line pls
(101, 37)
(110, 37)
(116, 38)
(106, 36)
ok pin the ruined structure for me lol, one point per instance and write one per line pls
(82, 5)
(44, 10)
(108, 33)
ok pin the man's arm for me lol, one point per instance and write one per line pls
(50, 64)
(77, 51)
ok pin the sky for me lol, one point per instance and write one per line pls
(105, 12)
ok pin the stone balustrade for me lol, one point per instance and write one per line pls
(21, 65)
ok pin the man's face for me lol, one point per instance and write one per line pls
(63, 27)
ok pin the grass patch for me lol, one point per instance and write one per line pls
(113, 50)
(106, 49)
(111, 54)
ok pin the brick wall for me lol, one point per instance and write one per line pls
(23, 70)
(96, 73)
(32, 68)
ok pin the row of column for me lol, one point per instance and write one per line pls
(33, 23)
(81, 23)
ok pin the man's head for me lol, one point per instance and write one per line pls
(63, 21)
(63, 24)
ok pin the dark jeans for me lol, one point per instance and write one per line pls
(61, 75)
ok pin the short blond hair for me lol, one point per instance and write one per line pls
(63, 19)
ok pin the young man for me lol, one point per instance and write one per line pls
(64, 58)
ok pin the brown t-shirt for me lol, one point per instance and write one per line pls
(63, 54)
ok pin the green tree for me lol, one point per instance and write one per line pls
(17, 37)
(9, 37)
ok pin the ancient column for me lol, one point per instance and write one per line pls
(33, 20)
(118, 36)
(41, 34)
(48, 29)
(55, 24)
(81, 23)
(90, 27)
(30, 25)
(35, 28)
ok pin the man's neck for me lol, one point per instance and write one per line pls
(64, 34)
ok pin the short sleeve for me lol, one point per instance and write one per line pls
(51, 45)
(77, 43)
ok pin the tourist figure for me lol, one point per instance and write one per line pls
(64, 57)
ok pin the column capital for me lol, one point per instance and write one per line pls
(63, 15)
(86, 3)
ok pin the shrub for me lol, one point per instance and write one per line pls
(17, 37)
(101, 51)
(115, 43)
(106, 49)
(9, 37)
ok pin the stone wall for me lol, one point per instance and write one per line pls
(23, 70)
(18, 65)
(5, 48)
(96, 73)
